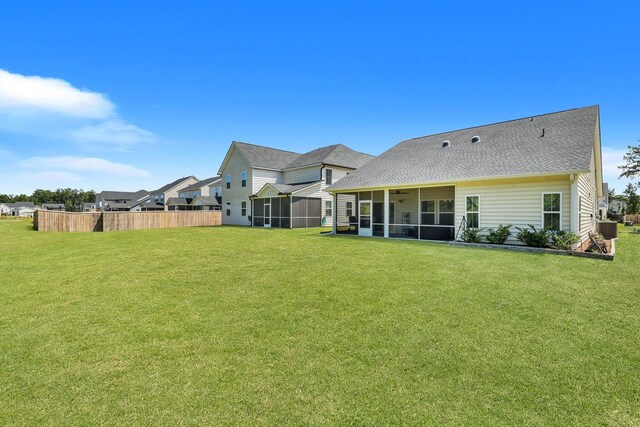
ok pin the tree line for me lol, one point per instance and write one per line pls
(71, 198)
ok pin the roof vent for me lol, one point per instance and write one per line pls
(475, 139)
(445, 144)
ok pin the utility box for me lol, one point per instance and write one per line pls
(609, 229)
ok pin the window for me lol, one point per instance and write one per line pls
(473, 211)
(446, 212)
(428, 212)
(243, 206)
(244, 178)
(328, 176)
(445, 144)
(349, 209)
(228, 182)
(551, 210)
(228, 208)
(328, 208)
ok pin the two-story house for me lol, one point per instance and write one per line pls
(160, 196)
(267, 187)
(203, 195)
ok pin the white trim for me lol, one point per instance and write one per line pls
(575, 214)
(543, 211)
(465, 209)
(454, 182)
(385, 210)
(369, 232)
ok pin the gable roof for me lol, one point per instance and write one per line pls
(177, 201)
(561, 142)
(265, 157)
(206, 200)
(335, 155)
(283, 189)
(172, 184)
(198, 185)
(53, 205)
(16, 205)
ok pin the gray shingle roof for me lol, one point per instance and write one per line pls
(291, 188)
(336, 155)
(21, 205)
(198, 185)
(53, 206)
(206, 200)
(265, 157)
(509, 148)
(171, 184)
(177, 201)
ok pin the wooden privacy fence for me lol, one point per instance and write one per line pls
(118, 221)
(635, 218)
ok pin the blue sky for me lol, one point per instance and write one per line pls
(129, 95)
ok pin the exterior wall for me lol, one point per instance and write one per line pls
(337, 174)
(517, 202)
(215, 190)
(260, 177)
(193, 194)
(232, 198)
(587, 213)
(297, 176)
(174, 192)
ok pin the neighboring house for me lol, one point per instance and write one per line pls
(121, 200)
(89, 207)
(603, 203)
(162, 195)
(4, 209)
(196, 196)
(544, 170)
(22, 209)
(267, 187)
(617, 206)
(53, 206)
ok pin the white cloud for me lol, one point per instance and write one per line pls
(42, 94)
(54, 109)
(82, 164)
(113, 132)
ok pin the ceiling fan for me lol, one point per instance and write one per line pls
(398, 192)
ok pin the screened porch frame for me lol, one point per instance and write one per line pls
(408, 230)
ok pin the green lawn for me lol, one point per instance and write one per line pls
(245, 326)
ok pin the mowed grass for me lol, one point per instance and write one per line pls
(229, 325)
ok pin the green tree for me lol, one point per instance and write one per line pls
(6, 198)
(632, 168)
(633, 200)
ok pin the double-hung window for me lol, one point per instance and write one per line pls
(473, 211)
(349, 209)
(228, 182)
(243, 206)
(328, 208)
(551, 203)
(244, 178)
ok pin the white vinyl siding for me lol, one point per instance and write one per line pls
(237, 194)
(518, 204)
(296, 176)
(263, 176)
(587, 190)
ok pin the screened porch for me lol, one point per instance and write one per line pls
(415, 213)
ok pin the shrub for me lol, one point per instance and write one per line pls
(471, 235)
(564, 240)
(499, 235)
(534, 237)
